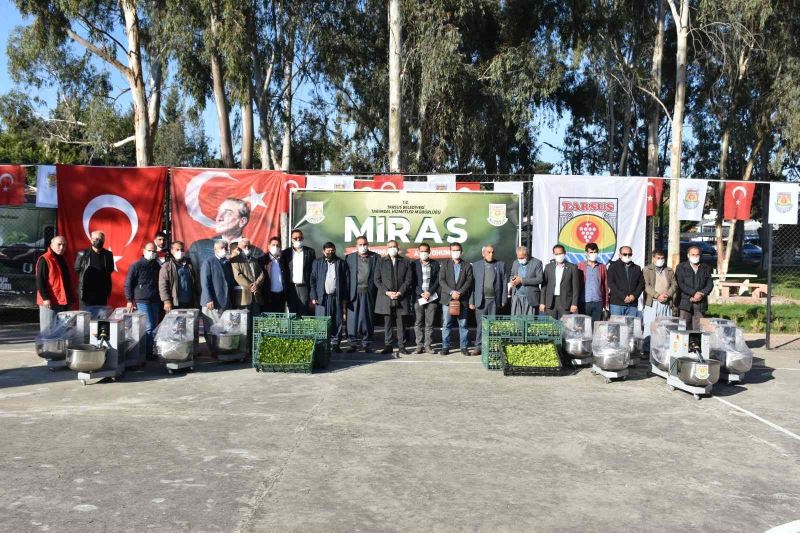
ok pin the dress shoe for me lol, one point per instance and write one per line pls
(418, 350)
(336, 348)
(402, 351)
(464, 351)
(476, 352)
(349, 349)
(443, 351)
(386, 349)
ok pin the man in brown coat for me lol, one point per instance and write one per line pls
(659, 290)
(177, 280)
(247, 272)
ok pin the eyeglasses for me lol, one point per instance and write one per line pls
(626, 255)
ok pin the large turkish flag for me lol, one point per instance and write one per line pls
(655, 186)
(125, 203)
(738, 199)
(12, 185)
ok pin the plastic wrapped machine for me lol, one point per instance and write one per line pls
(577, 334)
(611, 345)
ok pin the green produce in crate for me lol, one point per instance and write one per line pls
(503, 326)
(538, 355)
(542, 328)
(276, 350)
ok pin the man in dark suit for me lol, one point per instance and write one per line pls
(274, 283)
(216, 287)
(694, 286)
(526, 276)
(297, 261)
(560, 285)
(456, 282)
(625, 284)
(362, 265)
(329, 291)
(395, 282)
(491, 291)
(426, 289)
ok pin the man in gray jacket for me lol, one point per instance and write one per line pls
(177, 280)
(491, 291)
(526, 276)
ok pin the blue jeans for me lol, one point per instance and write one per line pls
(150, 310)
(624, 310)
(594, 310)
(448, 322)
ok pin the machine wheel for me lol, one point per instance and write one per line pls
(191, 369)
(671, 387)
(83, 382)
(697, 397)
(608, 381)
(170, 371)
(624, 378)
(51, 369)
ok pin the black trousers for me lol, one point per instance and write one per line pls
(298, 299)
(390, 321)
(276, 302)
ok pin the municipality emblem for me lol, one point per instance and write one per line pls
(585, 220)
(314, 212)
(783, 202)
(497, 214)
(691, 198)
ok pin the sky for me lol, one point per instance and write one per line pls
(10, 17)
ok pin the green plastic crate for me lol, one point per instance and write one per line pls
(305, 366)
(273, 323)
(503, 327)
(491, 352)
(542, 328)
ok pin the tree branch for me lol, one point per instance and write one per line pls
(99, 52)
(657, 99)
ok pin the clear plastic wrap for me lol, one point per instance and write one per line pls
(728, 346)
(662, 320)
(634, 325)
(577, 334)
(176, 327)
(102, 312)
(611, 345)
(231, 321)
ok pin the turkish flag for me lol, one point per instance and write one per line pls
(12, 185)
(364, 184)
(127, 204)
(738, 199)
(290, 181)
(655, 186)
(468, 186)
(388, 182)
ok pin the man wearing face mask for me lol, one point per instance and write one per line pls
(329, 289)
(625, 284)
(594, 290)
(53, 283)
(659, 289)
(94, 266)
(456, 282)
(177, 280)
(394, 281)
(273, 285)
(491, 291)
(141, 291)
(526, 276)
(361, 265)
(297, 261)
(216, 286)
(560, 285)
(247, 273)
(694, 286)
(426, 296)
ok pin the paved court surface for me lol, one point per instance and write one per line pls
(421, 443)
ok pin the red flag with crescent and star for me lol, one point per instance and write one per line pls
(12, 185)
(127, 204)
(738, 199)
(655, 186)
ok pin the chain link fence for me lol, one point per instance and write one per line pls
(783, 279)
(25, 234)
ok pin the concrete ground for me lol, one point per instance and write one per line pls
(421, 443)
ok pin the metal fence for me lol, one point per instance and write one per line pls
(783, 279)
(25, 233)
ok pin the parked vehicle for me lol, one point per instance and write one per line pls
(751, 253)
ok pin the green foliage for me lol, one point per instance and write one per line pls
(277, 350)
(535, 355)
(751, 317)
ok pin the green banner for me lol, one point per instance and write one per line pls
(411, 218)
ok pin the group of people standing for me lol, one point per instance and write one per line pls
(354, 289)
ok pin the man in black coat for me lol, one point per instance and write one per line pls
(625, 284)
(457, 283)
(394, 281)
(694, 286)
(94, 266)
(297, 261)
(561, 285)
(273, 286)
(362, 265)
(491, 290)
(141, 290)
(330, 286)
(426, 289)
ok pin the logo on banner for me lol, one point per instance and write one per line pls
(691, 198)
(497, 214)
(314, 212)
(783, 202)
(585, 220)
(3, 179)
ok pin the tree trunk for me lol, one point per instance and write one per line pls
(141, 123)
(626, 138)
(154, 104)
(655, 87)
(288, 65)
(221, 101)
(395, 89)
(723, 175)
(247, 128)
(681, 16)
(611, 125)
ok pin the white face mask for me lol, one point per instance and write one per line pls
(246, 252)
(221, 254)
(592, 256)
(523, 261)
(626, 260)
(149, 255)
(274, 250)
(392, 251)
(362, 248)
(694, 260)
(560, 258)
(424, 255)
(178, 255)
(455, 254)
(297, 244)
(659, 263)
